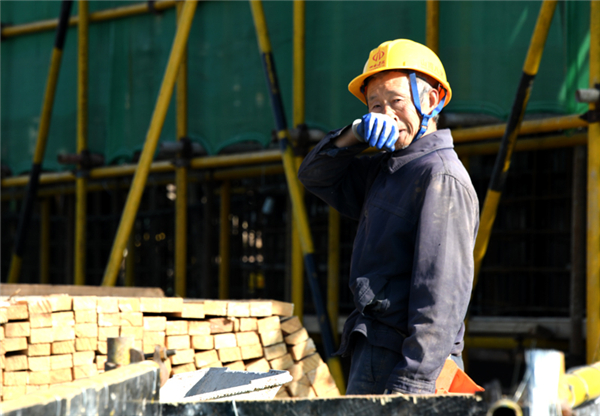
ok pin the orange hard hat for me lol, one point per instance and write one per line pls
(402, 54)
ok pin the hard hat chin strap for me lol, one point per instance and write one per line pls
(417, 101)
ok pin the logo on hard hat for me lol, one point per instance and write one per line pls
(379, 55)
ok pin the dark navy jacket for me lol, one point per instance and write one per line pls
(412, 263)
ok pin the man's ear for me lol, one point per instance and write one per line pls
(434, 99)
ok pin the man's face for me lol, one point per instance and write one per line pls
(389, 93)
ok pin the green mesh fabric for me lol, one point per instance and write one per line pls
(482, 45)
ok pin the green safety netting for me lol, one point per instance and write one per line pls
(483, 45)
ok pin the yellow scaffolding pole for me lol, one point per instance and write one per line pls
(593, 208)
(499, 174)
(432, 36)
(224, 240)
(181, 178)
(333, 271)
(40, 145)
(82, 121)
(102, 15)
(45, 241)
(143, 167)
(299, 114)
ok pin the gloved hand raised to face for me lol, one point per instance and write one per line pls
(377, 130)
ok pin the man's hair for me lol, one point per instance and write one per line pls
(424, 85)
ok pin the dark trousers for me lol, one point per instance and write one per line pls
(371, 366)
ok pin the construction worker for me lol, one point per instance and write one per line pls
(411, 272)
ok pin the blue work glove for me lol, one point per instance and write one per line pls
(377, 130)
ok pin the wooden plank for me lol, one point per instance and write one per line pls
(39, 364)
(191, 310)
(282, 393)
(15, 378)
(7, 289)
(3, 315)
(35, 350)
(107, 304)
(178, 342)
(282, 308)
(321, 380)
(16, 311)
(268, 324)
(86, 344)
(303, 349)
(183, 357)
(31, 388)
(155, 323)
(251, 351)
(13, 392)
(248, 324)
(236, 366)
(132, 319)
(105, 332)
(201, 359)
(84, 303)
(63, 347)
(100, 361)
(225, 341)
(61, 361)
(260, 308)
(39, 377)
(171, 305)
(63, 332)
(39, 304)
(102, 347)
(221, 325)
(300, 388)
(291, 325)
(271, 337)
(136, 332)
(129, 304)
(247, 338)
(282, 363)
(310, 362)
(297, 337)
(83, 358)
(295, 371)
(85, 371)
(17, 329)
(17, 344)
(215, 307)
(176, 328)
(259, 365)
(61, 375)
(213, 364)
(40, 320)
(151, 339)
(198, 328)
(109, 319)
(275, 351)
(184, 368)
(202, 342)
(149, 305)
(61, 302)
(227, 355)
(16, 362)
(238, 309)
(89, 330)
(88, 316)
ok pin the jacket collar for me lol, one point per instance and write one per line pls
(440, 139)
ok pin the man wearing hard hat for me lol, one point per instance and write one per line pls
(412, 263)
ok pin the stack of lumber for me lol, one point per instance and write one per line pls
(55, 339)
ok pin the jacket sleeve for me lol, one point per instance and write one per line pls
(441, 283)
(336, 175)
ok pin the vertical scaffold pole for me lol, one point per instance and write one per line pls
(40, 145)
(82, 145)
(289, 167)
(143, 168)
(299, 119)
(500, 172)
(45, 241)
(432, 35)
(593, 207)
(181, 178)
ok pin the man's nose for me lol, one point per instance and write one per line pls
(388, 111)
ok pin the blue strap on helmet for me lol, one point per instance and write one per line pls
(417, 101)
